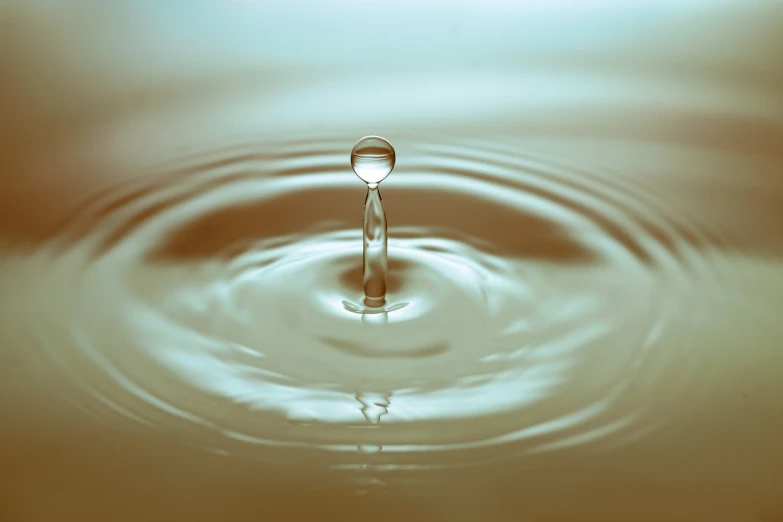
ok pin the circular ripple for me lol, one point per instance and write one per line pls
(526, 303)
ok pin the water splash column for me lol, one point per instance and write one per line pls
(375, 251)
(372, 159)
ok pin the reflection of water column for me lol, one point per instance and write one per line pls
(373, 407)
(375, 260)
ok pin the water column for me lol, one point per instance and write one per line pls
(372, 159)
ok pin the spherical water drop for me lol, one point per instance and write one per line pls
(372, 159)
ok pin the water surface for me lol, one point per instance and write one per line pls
(585, 277)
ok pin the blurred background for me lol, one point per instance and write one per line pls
(681, 99)
(699, 71)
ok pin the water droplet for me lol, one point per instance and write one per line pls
(372, 159)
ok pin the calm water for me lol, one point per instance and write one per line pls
(585, 262)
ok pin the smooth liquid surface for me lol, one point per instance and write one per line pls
(586, 280)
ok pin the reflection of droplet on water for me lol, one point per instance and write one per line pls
(371, 481)
(370, 449)
(372, 159)
(374, 406)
